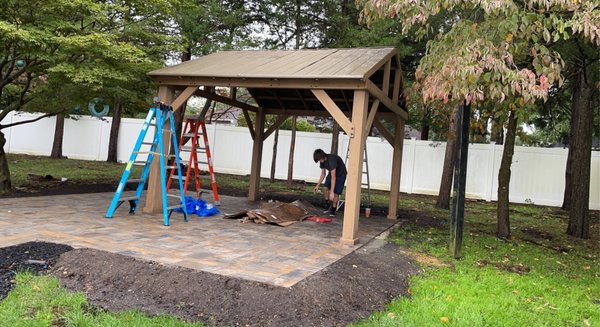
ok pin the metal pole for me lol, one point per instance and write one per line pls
(460, 181)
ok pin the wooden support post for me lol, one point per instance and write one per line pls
(396, 168)
(257, 148)
(460, 181)
(154, 195)
(355, 165)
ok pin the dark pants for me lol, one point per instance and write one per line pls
(339, 184)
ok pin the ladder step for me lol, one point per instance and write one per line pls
(189, 134)
(175, 196)
(174, 207)
(139, 163)
(149, 143)
(134, 180)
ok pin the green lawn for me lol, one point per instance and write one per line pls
(41, 301)
(540, 277)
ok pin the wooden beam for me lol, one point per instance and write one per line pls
(302, 99)
(215, 97)
(398, 145)
(275, 126)
(257, 148)
(288, 83)
(386, 77)
(249, 123)
(379, 94)
(335, 111)
(302, 112)
(384, 132)
(299, 97)
(371, 118)
(154, 194)
(183, 97)
(355, 166)
(397, 85)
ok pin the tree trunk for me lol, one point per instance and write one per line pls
(335, 138)
(290, 175)
(581, 147)
(113, 139)
(424, 131)
(503, 221)
(274, 159)
(443, 199)
(497, 132)
(5, 184)
(566, 205)
(59, 131)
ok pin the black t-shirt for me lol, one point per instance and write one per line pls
(334, 162)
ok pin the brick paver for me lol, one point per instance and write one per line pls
(271, 254)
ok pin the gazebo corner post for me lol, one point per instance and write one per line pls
(355, 165)
(257, 149)
(396, 167)
(166, 95)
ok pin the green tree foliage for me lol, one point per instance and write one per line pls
(203, 27)
(502, 48)
(58, 54)
(509, 50)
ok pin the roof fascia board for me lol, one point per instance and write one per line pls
(292, 83)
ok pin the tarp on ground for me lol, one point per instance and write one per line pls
(277, 213)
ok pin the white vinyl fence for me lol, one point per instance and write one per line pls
(537, 173)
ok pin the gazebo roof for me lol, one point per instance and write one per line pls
(281, 80)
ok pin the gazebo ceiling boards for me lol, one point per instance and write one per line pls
(357, 87)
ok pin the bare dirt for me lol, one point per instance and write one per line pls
(346, 291)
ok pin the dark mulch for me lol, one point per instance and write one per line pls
(348, 290)
(36, 257)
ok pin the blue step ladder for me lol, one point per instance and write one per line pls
(159, 113)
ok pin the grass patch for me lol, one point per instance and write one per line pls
(21, 166)
(41, 301)
(540, 277)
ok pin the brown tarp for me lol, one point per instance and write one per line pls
(278, 213)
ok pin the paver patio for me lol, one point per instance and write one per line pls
(280, 256)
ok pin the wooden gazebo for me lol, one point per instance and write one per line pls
(357, 87)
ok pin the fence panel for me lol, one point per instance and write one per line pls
(537, 173)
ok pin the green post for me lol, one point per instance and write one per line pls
(460, 181)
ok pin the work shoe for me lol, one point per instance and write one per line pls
(332, 212)
(327, 204)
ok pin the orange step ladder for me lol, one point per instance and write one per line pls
(193, 128)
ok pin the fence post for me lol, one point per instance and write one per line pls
(489, 183)
(411, 164)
